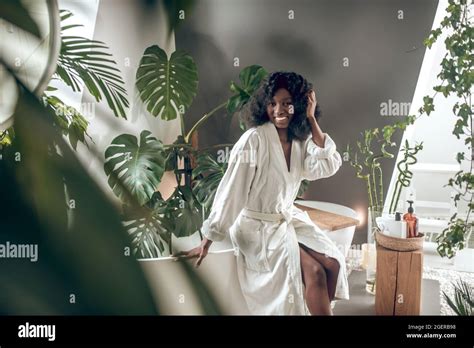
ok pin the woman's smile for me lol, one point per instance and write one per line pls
(281, 118)
(280, 109)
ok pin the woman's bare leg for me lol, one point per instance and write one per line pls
(331, 266)
(314, 279)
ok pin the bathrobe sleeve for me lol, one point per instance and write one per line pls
(233, 190)
(320, 162)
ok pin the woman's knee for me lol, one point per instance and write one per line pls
(317, 274)
(333, 266)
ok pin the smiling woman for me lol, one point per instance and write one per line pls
(290, 92)
(285, 263)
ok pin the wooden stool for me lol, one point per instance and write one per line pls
(398, 282)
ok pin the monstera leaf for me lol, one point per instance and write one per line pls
(186, 211)
(150, 228)
(250, 78)
(138, 165)
(167, 87)
(206, 187)
(145, 233)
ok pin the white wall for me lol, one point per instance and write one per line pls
(127, 29)
(440, 145)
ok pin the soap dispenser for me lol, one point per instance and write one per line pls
(412, 221)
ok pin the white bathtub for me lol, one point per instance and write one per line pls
(171, 287)
(344, 236)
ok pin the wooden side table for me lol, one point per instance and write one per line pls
(398, 282)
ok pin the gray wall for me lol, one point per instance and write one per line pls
(385, 56)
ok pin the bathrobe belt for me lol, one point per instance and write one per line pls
(285, 228)
(284, 219)
(275, 217)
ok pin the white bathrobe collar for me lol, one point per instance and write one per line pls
(274, 139)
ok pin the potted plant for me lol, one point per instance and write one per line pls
(167, 87)
(366, 160)
(89, 235)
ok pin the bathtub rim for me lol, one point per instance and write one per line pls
(174, 258)
(299, 201)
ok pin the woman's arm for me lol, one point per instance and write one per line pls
(317, 134)
(231, 195)
(234, 188)
(321, 159)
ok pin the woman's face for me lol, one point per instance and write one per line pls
(280, 110)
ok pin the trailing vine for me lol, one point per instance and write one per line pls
(457, 78)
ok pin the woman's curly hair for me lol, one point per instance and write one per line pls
(255, 112)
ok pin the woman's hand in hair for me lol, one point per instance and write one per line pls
(312, 102)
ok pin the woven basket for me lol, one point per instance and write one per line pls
(400, 244)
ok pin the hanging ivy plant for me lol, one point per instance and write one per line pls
(457, 78)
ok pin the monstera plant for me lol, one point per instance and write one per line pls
(84, 265)
(167, 86)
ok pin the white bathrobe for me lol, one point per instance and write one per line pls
(254, 204)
